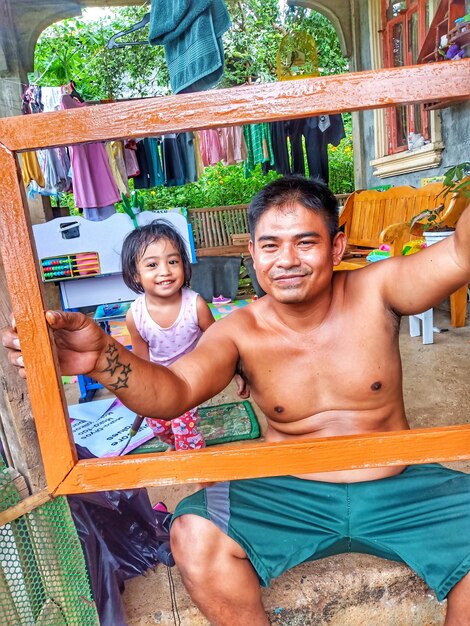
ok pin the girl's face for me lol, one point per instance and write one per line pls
(160, 269)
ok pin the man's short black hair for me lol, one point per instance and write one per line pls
(137, 242)
(286, 191)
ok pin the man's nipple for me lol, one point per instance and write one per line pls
(376, 386)
(279, 409)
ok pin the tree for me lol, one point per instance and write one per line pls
(76, 49)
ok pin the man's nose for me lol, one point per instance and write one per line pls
(288, 256)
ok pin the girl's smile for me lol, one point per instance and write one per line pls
(160, 269)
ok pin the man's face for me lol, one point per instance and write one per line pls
(293, 254)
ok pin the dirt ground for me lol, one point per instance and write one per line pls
(437, 393)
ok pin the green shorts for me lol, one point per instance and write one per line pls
(420, 517)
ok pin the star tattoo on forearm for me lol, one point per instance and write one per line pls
(112, 356)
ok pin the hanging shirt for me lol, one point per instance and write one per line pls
(117, 165)
(51, 98)
(188, 156)
(93, 183)
(31, 169)
(259, 146)
(198, 154)
(173, 164)
(211, 150)
(55, 167)
(233, 145)
(150, 165)
(130, 158)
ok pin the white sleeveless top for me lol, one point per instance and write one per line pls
(168, 344)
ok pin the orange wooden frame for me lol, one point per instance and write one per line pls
(286, 100)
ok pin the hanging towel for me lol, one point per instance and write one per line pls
(191, 33)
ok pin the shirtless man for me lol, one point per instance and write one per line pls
(320, 353)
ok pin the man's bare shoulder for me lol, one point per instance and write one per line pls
(370, 277)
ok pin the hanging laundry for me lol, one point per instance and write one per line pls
(130, 158)
(150, 165)
(31, 169)
(233, 145)
(279, 138)
(188, 156)
(191, 33)
(259, 146)
(114, 150)
(51, 98)
(318, 132)
(31, 101)
(93, 183)
(198, 154)
(211, 150)
(55, 166)
(173, 165)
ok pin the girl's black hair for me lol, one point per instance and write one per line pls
(138, 240)
(284, 192)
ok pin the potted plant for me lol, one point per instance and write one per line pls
(456, 180)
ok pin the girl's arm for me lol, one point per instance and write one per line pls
(204, 314)
(139, 346)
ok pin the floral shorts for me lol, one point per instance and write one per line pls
(181, 433)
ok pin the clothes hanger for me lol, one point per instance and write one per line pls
(112, 42)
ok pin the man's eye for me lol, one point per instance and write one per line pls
(268, 246)
(306, 242)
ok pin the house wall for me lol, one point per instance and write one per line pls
(455, 124)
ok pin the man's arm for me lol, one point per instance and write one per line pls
(146, 388)
(418, 282)
(139, 346)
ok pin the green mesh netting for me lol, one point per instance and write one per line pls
(43, 579)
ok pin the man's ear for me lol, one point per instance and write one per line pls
(251, 250)
(338, 247)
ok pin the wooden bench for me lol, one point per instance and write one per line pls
(224, 230)
(371, 218)
(215, 227)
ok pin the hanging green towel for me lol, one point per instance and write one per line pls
(191, 33)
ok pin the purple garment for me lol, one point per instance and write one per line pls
(92, 180)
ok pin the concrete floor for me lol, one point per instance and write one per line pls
(345, 590)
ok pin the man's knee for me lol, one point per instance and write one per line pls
(199, 547)
(192, 541)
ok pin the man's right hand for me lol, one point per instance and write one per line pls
(79, 342)
(11, 342)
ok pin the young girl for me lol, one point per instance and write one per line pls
(167, 320)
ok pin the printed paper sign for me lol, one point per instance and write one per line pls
(107, 435)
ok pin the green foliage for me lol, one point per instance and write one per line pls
(257, 30)
(330, 57)
(251, 44)
(218, 186)
(341, 161)
(456, 180)
(76, 49)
